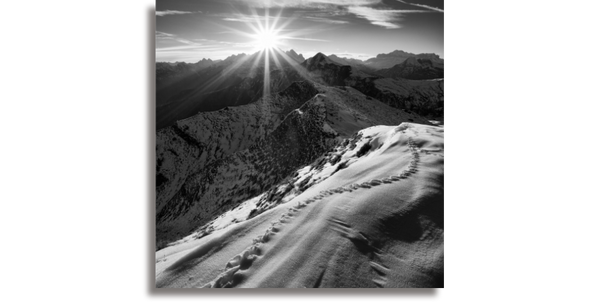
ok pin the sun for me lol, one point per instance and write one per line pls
(265, 36)
(267, 39)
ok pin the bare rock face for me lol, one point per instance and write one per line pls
(191, 144)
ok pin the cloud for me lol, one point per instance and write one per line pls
(386, 18)
(351, 55)
(388, 25)
(187, 47)
(423, 6)
(243, 19)
(303, 39)
(381, 17)
(325, 20)
(246, 19)
(249, 18)
(308, 3)
(162, 36)
(193, 43)
(170, 12)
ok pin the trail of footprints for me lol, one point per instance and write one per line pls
(245, 259)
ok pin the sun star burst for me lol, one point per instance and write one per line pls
(267, 39)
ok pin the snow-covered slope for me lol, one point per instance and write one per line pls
(370, 215)
(238, 161)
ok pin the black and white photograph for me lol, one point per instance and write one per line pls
(299, 144)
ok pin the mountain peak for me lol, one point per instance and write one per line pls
(295, 56)
(235, 57)
(204, 60)
(317, 61)
(396, 53)
(320, 58)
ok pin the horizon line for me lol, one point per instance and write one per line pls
(291, 49)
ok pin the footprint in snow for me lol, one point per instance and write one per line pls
(375, 182)
(266, 237)
(275, 226)
(300, 205)
(380, 269)
(380, 281)
(223, 280)
(245, 259)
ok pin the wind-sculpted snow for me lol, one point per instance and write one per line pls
(378, 222)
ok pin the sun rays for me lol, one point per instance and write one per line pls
(267, 34)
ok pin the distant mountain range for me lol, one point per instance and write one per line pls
(424, 97)
(397, 57)
(184, 89)
(416, 69)
(164, 70)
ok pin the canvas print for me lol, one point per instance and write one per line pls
(299, 144)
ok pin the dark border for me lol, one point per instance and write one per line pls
(148, 293)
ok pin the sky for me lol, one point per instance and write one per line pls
(191, 30)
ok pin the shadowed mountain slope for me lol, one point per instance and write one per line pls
(415, 69)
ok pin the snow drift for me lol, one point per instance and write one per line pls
(372, 219)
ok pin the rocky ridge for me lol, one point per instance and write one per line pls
(422, 97)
